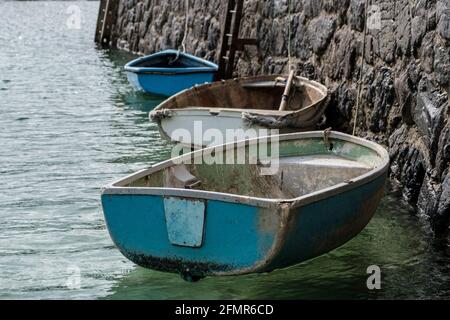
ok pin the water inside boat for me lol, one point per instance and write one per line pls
(304, 167)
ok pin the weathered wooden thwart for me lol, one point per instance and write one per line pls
(199, 219)
(107, 15)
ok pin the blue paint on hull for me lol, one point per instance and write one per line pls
(240, 238)
(167, 84)
(231, 239)
(322, 226)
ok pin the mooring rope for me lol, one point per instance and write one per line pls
(361, 69)
(186, 25)
(289, 27)
(411, 4)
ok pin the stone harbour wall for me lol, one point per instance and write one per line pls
(405, 74)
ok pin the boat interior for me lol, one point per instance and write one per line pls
(169, 60)
(262, 93)
(296, 174)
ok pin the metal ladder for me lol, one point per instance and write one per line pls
(106, 17)
(231, 43)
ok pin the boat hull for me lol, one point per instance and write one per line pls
(230, 236)
(322, 226)
(167, 84)
(239, 238)
(207, 128)
(196, 218)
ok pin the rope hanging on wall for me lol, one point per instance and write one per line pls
(289, 27)
(186, 25)
(361, 69)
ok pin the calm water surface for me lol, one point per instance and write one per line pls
(70, 123)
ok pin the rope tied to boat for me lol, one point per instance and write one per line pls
(186, 27)
(269, 122)
(326, 139)
(263, 121)
(159, 115)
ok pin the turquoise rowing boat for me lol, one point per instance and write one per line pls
(199, 219)
(169, 72)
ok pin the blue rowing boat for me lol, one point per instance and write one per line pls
(169, 72)
(197, 219)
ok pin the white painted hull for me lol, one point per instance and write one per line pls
(205, 128)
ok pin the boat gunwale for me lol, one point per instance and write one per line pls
(207, 67)
(118, 188)
(224, 112)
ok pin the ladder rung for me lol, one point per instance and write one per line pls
(225, 58)
(229, 35)
(233, 11)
